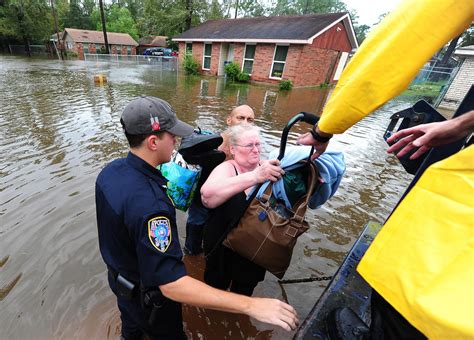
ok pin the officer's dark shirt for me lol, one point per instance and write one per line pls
(131, 202)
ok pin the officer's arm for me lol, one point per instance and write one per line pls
(193, 292)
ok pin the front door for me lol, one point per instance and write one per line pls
(226, 56)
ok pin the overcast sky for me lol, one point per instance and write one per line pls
(369, 10)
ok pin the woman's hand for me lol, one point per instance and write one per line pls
(268, 170)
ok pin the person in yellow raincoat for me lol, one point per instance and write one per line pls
(421, 262)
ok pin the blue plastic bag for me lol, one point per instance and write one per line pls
(182, 181)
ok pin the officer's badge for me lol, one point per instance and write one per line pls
(159, 233)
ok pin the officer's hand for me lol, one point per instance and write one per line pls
(274, 312)
(268, 170)
(319, 148)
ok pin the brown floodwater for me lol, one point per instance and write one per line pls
(57, 131)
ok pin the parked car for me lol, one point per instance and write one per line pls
(159, 52)
(156, 51)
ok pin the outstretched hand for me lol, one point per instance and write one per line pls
(274, 312)
(268, 170)
(424, 137)
(319, 147)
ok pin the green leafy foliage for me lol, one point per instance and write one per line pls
(286, 85)
(190, 65)
(28, 21)
(118, 19)
(232, 70)
(243, 77)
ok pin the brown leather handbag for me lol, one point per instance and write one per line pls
(267, 238)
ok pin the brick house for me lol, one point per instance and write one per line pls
(463, 80)
(85, 41)
(151, 41)
(306, 49)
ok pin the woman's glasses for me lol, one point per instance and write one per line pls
(251, 146)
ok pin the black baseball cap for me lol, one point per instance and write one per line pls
(145, 115)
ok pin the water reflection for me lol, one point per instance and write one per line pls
(58, 129)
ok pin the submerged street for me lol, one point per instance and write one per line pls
(58, 130)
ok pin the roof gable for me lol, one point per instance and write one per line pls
(154, 40)
(97, 37)
(293, 29)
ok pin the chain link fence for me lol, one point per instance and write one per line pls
(164, 63)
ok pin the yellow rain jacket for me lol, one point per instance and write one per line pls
(422, 261)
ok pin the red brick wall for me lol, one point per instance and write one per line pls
(113, 49)
(239, 50)
(182, 51)
(198, 51)
(263, 62)
(216, 49)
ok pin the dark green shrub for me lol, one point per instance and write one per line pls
(243, 77)
(70, 55)
(286, 85)
(324, 86)
(191, 67)
(232, 71)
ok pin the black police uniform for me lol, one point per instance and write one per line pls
(139, 243)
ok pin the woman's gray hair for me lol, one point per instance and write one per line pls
(237, 130)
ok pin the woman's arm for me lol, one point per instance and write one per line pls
(222, 183)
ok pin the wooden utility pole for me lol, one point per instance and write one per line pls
(56, 29)
(236, 8)
(189, 14)
(104, 29)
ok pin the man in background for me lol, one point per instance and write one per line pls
(197, 213)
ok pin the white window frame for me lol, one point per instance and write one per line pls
(246, 59)
(204, 56)
(280, 62)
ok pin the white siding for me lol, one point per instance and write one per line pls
(460, 85)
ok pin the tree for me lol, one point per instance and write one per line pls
(251, 8)
(29, 21)
(298, 7)
(467, 38)
(76, 14)
(118, 19)
(215, 11)
(361, 32)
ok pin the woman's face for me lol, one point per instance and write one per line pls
(247, 151)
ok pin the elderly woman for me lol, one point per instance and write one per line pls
(225, 191)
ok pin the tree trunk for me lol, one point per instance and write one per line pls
(189, 14)
(447, 55)
(236, 8)
(104, 29)
(56, 29)
(27, 46)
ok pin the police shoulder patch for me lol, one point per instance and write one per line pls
(159, 233)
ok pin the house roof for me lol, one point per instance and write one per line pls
(465, 51)
(301, 29)
(154, 40)
(97, 37)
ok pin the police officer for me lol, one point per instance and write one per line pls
(138, 236)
